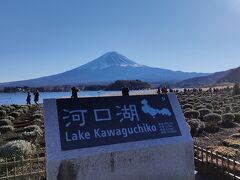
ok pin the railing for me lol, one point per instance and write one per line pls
(32, 168)
(209, 162)
(206, 162)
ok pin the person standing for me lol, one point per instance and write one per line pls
(36, 96)
(74, 92)
(28, 98)
(125, 91)
(164, 90)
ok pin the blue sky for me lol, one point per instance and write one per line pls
(39, 38)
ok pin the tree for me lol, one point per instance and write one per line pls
(236, 89)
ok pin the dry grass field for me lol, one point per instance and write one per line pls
(213, 120)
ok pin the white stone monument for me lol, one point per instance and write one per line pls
(120, 138)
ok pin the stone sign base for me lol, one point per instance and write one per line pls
(160, 162)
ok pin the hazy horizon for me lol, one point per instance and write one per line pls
(41, 38)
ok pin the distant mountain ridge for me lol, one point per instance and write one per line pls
(204, 80)
(230, 76)
(107, 68)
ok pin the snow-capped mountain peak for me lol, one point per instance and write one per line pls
(110, 59)
(107, 68)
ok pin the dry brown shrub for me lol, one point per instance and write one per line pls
(226, 151)
(235, 143)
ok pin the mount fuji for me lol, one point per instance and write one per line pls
(105, 69)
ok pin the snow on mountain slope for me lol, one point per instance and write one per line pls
(107, 68)
(108, 60)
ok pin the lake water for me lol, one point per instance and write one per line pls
(20, 98)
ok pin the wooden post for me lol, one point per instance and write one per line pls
(38, 166)
(228, 165)
(15, 170)
(22, 168)
(30, 161)
(6, 165)
(212, 157)
(206, 156)
(222, 159)
(234, 166)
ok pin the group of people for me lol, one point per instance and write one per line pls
(125, 92)
(36, 97)
(162, 90)
(74, 90)
(165, 90)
